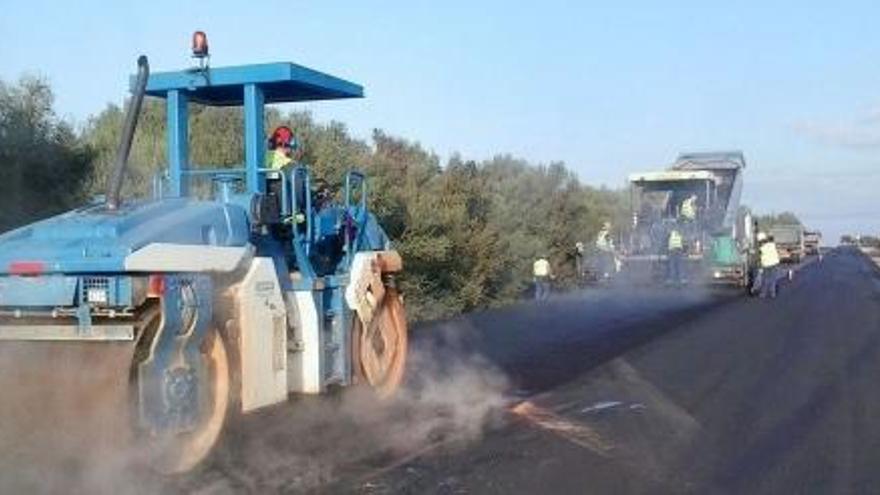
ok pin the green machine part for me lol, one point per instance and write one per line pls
(724, 251)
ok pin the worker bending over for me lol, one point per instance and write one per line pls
(542, 276)
(768, 276)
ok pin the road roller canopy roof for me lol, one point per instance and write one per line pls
(249, 86)
(280, 82)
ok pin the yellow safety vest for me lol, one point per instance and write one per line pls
(277, 159)
(769, 255)
(603, 243)
(689, 208)
(541, 268)
(675, 241)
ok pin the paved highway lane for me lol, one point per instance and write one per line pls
(463, 377)
(604, 391)
(746, 396)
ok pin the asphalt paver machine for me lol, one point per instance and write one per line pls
(718, 235)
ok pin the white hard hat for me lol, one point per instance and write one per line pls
(762, 236)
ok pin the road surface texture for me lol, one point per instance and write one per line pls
(751, 397)
(606, 391)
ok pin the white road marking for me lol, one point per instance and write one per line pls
(601, 406)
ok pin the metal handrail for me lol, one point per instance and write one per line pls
(210, 171)
(352, 178)
(301, 172)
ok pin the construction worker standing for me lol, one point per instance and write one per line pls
(674, 254)
(689, 208)
(282, 146)
(605, 251)
(768, 272)
(580, 251)
(688, 217)
(542, 275)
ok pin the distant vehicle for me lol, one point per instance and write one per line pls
(718, 242)
(869, 241)
(812, 240)
(789, 242)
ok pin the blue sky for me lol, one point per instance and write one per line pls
(608, 90)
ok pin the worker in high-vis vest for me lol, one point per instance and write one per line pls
(603, 238)
(689, 208)
(282, 146)
(542, 274)
(580, 252)
(688, 219)
(768, 276)
(674, 254)
(605, 251)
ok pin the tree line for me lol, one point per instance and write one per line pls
(770, 220)
(468, 230)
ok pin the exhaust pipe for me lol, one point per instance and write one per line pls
(128, 128)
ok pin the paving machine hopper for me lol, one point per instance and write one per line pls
(160, 319)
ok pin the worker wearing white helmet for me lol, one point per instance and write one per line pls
(767, 278)
(542, 275)
(603, 238)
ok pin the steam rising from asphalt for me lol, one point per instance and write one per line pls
(450, 398)
(317, 442)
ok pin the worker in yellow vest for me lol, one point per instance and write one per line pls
(282, 148)
(580, 252)
(282, 145)
(605, 252)
(768, 277)
(542, 275)
(674, 254)
(689, 208)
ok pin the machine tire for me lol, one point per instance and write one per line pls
(183, 452)
(379, 352)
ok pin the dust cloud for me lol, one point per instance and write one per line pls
(63, 416)
(449, 400)
(451, 397)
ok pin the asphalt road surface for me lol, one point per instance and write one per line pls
(605, 391)
(737, 396)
